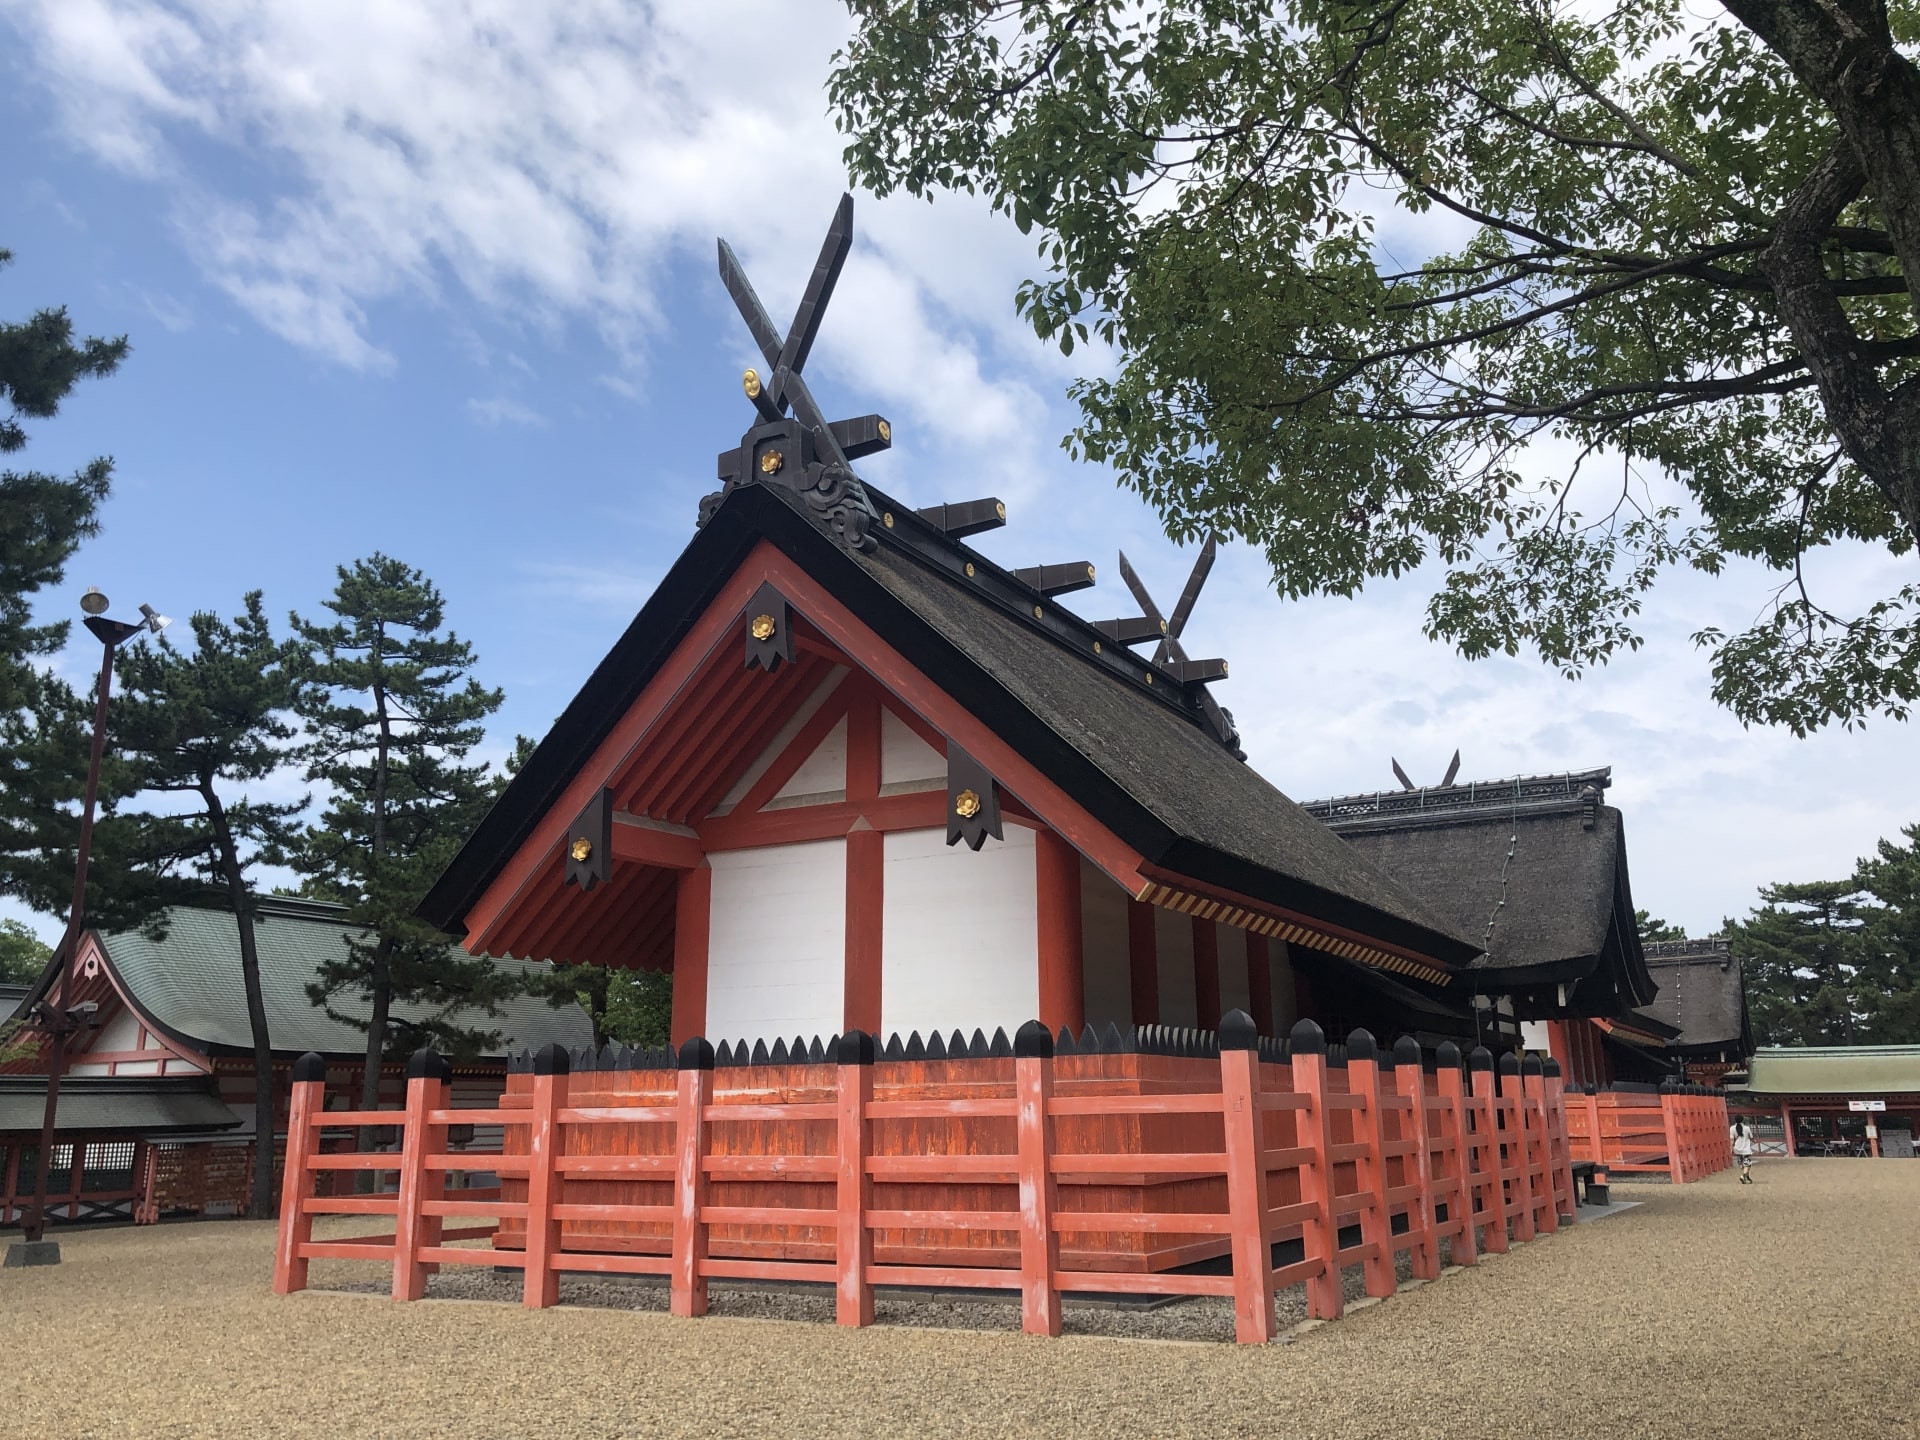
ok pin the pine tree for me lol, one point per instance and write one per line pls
(1802, 955)
(1890, 964)
(195, 726)
(628, 1007)
(23, 954)
(1653, 930)
(43, 724)
(391, 714)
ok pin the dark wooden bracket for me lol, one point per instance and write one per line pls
(973, 801)
(589, 844)
(768, 629)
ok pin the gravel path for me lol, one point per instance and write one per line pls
(1787, 1309)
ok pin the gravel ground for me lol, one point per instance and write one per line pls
(1786, 1309)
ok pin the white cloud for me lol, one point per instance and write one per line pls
(503, 410)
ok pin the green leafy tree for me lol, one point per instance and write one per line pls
(44, 725)
(23, 954)
(1652, 930)
(1803, 959)
(391, 715)
(628, 1007)
(1669, 239)
(1890, 962)
(199, 727)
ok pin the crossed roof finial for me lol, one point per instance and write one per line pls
(805, 453)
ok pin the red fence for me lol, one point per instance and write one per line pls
(1289, 1149)
(1681, 1131)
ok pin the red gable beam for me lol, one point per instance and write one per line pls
(635, 839)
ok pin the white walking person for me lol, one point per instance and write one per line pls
(1742, 1135)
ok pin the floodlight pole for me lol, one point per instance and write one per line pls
(57, 1017)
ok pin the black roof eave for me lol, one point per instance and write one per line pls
(753, 513)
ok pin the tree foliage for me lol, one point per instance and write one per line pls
(198, 727)
(1352, 256)
(44, 725)
(391, 714)
(1653, 930)
(23, 954)
(628, 1007)
(1837, 962)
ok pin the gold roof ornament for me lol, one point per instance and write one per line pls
(762, 627)
(581, 850)
(771, 462)
(886, 431)
(750, 382)
(966, 804)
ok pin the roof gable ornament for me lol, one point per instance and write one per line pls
(804, 453)
(1406, 783)
(1170, 656)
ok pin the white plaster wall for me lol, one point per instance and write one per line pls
(1108, 994)
(960, 944)
(776, 950)
(1173, 936)
(905, 759)
(137, 1067)
(1533, 1036)
(1232, 948)
(821, 775)
(122, 1032)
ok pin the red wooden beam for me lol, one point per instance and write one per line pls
(866, 870)
(646, 845)
(1206, 973)
(692, 920)
(926, 810)
(1062, 960)
(1143, 962)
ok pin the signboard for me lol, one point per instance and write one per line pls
(1866, 1105)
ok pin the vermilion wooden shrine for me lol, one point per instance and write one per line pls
(846, 777)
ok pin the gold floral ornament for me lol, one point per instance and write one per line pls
(771, 462)
(762, 627)
(966, 804)
(581, 850)
(886, 431)
(750, 382)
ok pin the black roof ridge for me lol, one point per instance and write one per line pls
(1555, 794)
(1706, 950)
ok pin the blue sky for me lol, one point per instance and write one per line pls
(437, 279)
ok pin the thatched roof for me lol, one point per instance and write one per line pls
(1534, 869)
(1701, 992)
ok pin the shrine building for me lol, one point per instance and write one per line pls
(844, 771)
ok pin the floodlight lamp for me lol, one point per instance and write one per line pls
(154, 620)
(93, 602)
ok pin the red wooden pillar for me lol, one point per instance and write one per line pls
(1376, 1225)
(1253, 1317)
(866, 901)
(1039, 1244)
(1485, 1111)
(1786, 1129)
(541, 1283)
(1410, 1082)
(428, 1077)
(853, 1190)
(686, 1282)
(1206, 973)
(1320, 1234)
(1143, 963)
(304, 1108)
(1448, 1080)
(692, 920)
(1062, 967)
(1259, 982)
(1519, 1148)
(1533, 1091)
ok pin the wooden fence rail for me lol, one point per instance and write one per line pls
(1678, 1130)
(801, 1172)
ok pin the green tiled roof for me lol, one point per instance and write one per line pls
(1864, 1070)
(190, 984)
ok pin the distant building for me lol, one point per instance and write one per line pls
(1703, 997)
(1856, 1100)
(158, 1097)
(1535, 870)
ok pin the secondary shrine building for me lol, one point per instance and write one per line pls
(835, 779)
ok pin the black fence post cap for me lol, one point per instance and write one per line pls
(854, 1048)
(1033, 1041)
(1532, 1066)
(696, 1054)
(309, 1067)
(1509, 1063)
(1448, 1055)
(1238, 1032)
(1362, 1046)
(552, 1059)
(1479, 1058)
(1307, 1038)
(1550, 1067)
(1406, 1051)
(427, 1063)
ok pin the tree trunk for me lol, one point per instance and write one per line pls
(380, 988)
(260, 1205)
